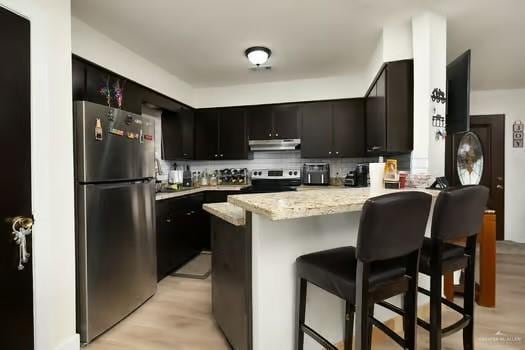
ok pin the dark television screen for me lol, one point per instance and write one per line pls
(458, 94)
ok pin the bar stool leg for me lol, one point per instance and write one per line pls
(435, 308)
(370, 325)
(410, 318)
(410, 305)
(362, 327)
(469, 296)
(301, 311)
(349, 326)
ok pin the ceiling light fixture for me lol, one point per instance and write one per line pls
(258, 55)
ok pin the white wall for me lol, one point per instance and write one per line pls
(100, 49)
(512, 104)
(353, 85)
(52, 172)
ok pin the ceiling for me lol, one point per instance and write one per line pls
(203, 41)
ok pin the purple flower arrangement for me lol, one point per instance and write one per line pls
(115, 92)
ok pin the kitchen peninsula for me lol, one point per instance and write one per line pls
(256, 239)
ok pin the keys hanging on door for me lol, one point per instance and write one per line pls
(22, 227)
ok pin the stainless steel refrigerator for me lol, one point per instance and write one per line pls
(115, 215)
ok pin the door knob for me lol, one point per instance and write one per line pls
(21, 227)
(20, 222)
(499, 187)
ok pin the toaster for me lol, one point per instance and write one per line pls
(316, 174)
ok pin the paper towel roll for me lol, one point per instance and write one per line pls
(377, 173)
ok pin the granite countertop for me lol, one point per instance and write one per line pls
(291, 205)
(184, 192)
(227, 211)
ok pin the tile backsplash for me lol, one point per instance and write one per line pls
(283, 159)
(262, 160)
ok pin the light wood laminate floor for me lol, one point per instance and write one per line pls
(179, 316)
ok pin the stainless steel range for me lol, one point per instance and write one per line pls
(274, 180)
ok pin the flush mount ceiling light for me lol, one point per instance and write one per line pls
(258, 55)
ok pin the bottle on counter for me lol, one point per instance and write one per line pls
(213, 179)
(204, 178)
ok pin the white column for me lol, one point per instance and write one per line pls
(429, 42)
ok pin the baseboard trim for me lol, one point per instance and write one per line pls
(396, 324)
(73, 343)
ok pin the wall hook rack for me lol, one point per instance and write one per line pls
(438, 121)
(438, 96)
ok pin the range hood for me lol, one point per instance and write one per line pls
(274, 145)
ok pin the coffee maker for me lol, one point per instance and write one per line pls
(358, 177)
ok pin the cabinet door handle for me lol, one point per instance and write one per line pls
(336, 152)
(330, 152)
(168, 220)
(216, 155)
(270, 134)
(374, 148)
(276, 135)
(222, 155)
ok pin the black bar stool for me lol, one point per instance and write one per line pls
(384, 264)
(458, 213)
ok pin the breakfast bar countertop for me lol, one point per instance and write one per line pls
(192, 190)
(227, 211)
(299, 204)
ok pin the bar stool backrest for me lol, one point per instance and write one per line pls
(392, 225)
(458, 212)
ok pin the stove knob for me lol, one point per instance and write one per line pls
(290, 173)
(295, 172)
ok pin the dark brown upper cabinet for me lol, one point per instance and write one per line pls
(273, 121)
(79, 80)
(348, 123)
(132, 101)
(260, 122)
(207, 134)
(233, 143)
(221, 134)
(333, 129)
(98, 79)
(389, 110)
(286, 121)
(177, 134)
(317, 133)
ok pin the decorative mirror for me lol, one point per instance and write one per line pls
(470, 159)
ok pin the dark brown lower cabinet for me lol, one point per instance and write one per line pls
(232, 281)
(180, 232)
(183, 229)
